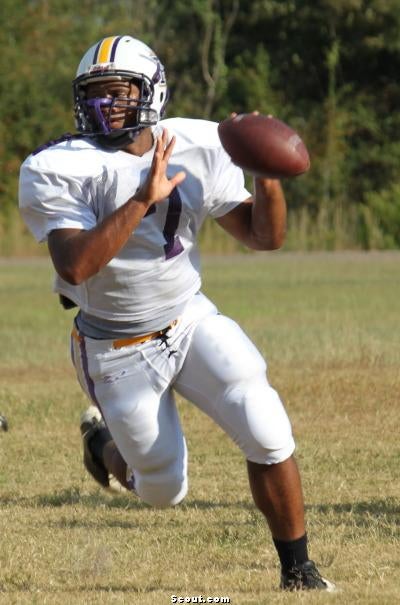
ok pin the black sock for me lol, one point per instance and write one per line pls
(293, 552)
(98, 441)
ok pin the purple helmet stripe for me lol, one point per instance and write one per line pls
(114, 48)
(96, 52)
(157, 74)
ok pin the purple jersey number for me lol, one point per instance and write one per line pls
(173, 247)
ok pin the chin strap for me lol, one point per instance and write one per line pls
(116, 140)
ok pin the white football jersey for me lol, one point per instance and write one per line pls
(76, 184)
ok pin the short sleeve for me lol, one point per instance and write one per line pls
(51, 201)
(228, 188)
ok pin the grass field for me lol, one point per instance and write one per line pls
(329, 327)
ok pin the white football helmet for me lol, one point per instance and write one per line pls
(125, 58)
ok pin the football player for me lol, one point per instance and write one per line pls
(120, 205)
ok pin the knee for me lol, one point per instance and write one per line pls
(264, 432)
(161, 493)
(164, 483)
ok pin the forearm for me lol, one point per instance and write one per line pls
(79, 255)
(260, 222)
(268, 218)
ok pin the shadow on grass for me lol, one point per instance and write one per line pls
(362, 514)
(16, 586)
(92, 524)
(73, 497)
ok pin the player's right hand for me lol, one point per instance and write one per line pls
(157, 186)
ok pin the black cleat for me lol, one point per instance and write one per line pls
(91, 423)
(305, 577)
(3, 423)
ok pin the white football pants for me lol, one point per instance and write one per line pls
(207, 359)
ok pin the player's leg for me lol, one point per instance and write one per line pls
(225, 376)
(140, 413)
(147, 433)
(155, 363)
(277, 492)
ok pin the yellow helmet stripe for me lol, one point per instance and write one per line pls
(105, 49)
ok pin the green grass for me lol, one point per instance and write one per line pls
(328, 326)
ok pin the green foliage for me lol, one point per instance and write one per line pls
(249, 86)
(330, 68)
(385, 208)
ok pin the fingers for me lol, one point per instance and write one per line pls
(255, 113)
(162, 140)
(159, 184)
(163, 148)
(169, 148)
(177, 179)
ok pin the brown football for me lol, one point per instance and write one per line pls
(264, 146)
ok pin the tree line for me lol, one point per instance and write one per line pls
(329, 68)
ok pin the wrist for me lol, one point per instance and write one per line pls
(267, 188)
(141, 202)
(266, 182)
